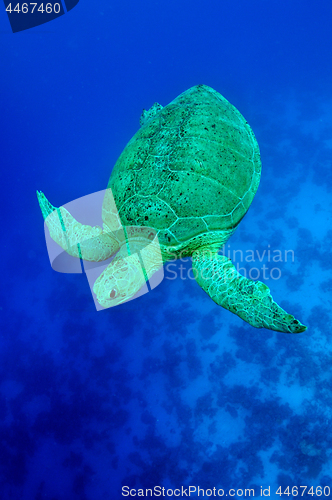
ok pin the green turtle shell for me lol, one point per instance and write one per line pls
(190, 172)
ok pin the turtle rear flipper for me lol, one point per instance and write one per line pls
(251, 300)
(78, 240)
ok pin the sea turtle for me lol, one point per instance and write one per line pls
(191, 173)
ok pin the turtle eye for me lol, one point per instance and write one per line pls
(113, 294)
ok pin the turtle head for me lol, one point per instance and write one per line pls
(119, 282)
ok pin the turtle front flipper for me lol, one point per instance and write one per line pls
(251, 300)
(86, 242)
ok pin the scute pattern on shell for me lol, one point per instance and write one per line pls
(190, 172)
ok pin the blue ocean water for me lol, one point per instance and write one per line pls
(167, 390)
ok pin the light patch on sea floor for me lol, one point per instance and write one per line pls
(313, 206)
(271, 470)
(195, 389)
(311, 292)
(246, 374)
(222, 430)
(295, 395)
